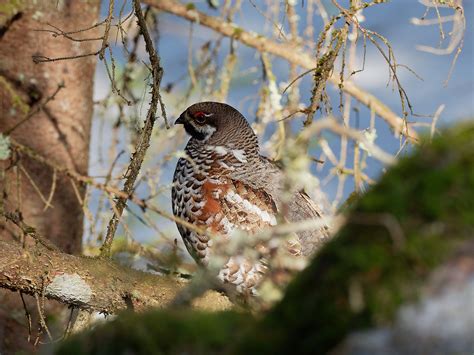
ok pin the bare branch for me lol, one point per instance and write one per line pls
(111, 190)
(332, 125)
(37, 109)
(144, 140)
(289, 53)
(16, 218)
(43, 59)
(88, 283)
(108, 22)
(323, 72)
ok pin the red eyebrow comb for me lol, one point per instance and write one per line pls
(200, 114)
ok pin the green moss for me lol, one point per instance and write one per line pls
(16, 100)
(8, 9)
(4, 147)
(237, 32)
(430, 196)
(161, 332)
(407, 225)
(190, 6)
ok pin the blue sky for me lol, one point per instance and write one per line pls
(392, 20)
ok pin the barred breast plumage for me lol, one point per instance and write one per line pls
(223, 185)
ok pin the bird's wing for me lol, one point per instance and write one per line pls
(268, 177)
(232, 205)
(302, 208)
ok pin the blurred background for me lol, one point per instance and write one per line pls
(197, 60)
(384, 74)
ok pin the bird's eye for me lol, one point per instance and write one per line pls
(200, 117)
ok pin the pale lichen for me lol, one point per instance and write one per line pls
(70, 288)
(4, 147)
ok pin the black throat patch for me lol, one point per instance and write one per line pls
(193, 132)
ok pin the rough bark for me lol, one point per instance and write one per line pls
(60, 130)
(94, 284)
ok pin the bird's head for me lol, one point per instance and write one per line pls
(217, 123)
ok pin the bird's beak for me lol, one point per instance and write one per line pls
(180, 120)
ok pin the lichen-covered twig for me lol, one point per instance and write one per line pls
(34, 111)
(144, 140)
(292, 55)
(110, 190)
(17, 219)
(323, 71)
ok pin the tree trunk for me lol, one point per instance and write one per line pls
(60, 131)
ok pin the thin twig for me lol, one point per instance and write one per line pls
(42, 320)
(332, 125)
(144, 140)
(35, 110)
(108, 22)
(60, 33)
(435, 120)
(35, 186)
(17, 219)
(297, 56)
(323, 73)
(27, 315)
(111, 190)
(51, 192)
(43, 59)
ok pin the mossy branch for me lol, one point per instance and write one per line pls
(323, 73)
(416, 223)
(90, 283)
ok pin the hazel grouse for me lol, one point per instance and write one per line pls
(224, 184)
